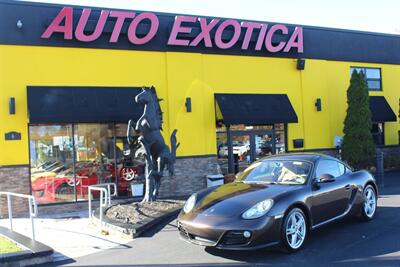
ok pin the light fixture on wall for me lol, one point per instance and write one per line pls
(188, 104)
(318, 104)
(301, 63)
(11, 106)
(19, 24)
(298, 143)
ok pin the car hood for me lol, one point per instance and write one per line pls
(235, 198)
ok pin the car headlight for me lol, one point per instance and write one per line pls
(258, 210)
(189, 205)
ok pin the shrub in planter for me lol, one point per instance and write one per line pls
(358, 148)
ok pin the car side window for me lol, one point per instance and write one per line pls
(342, 169)
(327, 166)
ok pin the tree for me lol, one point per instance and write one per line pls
(358, 146)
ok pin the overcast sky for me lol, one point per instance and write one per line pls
(366, 15)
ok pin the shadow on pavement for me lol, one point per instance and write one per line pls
(391, 182)
(345, 243)
(154, 230)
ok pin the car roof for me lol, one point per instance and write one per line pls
(313, 157)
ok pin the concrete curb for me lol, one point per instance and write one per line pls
(133, 230)
(35, 253)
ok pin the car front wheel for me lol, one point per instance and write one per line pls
(294, 230)
(370, 200)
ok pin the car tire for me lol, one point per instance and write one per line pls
(368, 209)
(294, 231)
(64, 191)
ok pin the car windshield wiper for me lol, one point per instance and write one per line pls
(259, 182)
(288, 183)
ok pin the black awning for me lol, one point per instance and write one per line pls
(381, 110)
(83, 104)
(255, 109)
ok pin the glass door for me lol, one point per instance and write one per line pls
(241, 153)
(245, 147)
(264, 144)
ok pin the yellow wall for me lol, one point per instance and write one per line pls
(180, 75)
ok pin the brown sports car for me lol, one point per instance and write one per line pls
(277, 201)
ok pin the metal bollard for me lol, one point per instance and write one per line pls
(31, 209)
(10, 216)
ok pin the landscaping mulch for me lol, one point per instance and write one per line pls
(137, 212)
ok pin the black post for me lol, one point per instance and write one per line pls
(74, 159)
(236, 162)
(230, 149)
(116, 174)
(380, 170)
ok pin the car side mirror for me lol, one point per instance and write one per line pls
(326, 178)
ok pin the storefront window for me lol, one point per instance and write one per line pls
(94, 148)
(67, 159)
(51, 154)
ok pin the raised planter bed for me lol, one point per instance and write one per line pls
(135, 218)
(32, 252)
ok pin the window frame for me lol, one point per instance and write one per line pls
(364, 69)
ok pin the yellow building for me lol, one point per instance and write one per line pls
(68, 84)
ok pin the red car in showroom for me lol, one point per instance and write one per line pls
(62, 185)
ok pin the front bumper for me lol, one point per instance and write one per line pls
(228, 233)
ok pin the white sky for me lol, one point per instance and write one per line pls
(365, 15)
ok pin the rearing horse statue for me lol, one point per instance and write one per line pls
(157, 153)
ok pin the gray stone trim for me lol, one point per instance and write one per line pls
(190, 176)
(15, 179)
(15, 166)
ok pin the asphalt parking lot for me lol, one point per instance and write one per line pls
(345, 243)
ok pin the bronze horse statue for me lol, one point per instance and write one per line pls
(157, 153)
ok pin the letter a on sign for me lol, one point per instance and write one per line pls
(55, 26)
(296, 40)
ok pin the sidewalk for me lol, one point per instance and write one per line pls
(71, 235)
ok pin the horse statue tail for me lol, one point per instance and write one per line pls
(172, 157)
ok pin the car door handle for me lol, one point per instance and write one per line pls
(347, 187)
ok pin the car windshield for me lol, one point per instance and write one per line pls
(276, 171)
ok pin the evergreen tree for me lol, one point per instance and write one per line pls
(358, 148)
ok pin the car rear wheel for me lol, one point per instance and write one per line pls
(368, 209)
(64, 191)
(294, 230)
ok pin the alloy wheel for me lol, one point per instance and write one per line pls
(296, 228)
(369, 201)
(128, 174)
